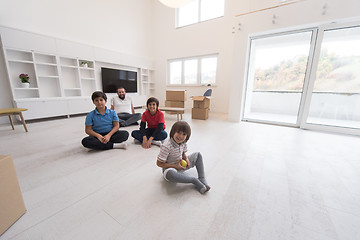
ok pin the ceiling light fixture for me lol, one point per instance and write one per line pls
(175, 3)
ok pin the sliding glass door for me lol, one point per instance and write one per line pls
(276, 77)
(335, 98)
(308, 79)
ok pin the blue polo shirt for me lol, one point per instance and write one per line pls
(101, 123)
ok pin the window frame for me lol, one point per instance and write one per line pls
(198, 74)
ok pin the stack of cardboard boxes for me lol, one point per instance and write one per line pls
(201, 107)
(175, 99)
(12, 205)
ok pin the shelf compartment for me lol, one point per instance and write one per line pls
(17, 55)
(49, 87)
(88, 87)
(90, 64)
(45, 58)
(17, 68)
(47, 70)
(87, 73)
(68, 62)
(70, 77)
(144, 72)
(26, 93)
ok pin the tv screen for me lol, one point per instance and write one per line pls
(112, 79)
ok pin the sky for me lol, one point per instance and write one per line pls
(267, 57)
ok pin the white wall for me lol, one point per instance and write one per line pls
(120, 25)
(5, 92)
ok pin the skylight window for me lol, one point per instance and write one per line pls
(198, 11)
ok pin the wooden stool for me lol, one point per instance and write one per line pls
(14, 111)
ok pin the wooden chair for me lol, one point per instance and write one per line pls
(14, 111)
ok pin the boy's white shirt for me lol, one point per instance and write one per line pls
(171, 152)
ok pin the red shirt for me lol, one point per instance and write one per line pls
(153, 120)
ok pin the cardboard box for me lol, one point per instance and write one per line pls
(177, 104)
(201, 102)
(176, 95)
(200, 113)
(12, 205)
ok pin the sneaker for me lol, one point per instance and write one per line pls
(157, 143)
(122, 145)
(205, 189)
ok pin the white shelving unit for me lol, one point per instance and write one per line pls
(147, 85)
(58, 85)
(87, 77)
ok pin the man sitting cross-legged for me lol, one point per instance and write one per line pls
(124, 108)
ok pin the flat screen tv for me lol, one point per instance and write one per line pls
(112, 79)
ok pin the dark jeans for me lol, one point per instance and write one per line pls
(149, 131)
(94, 143)
(126, 119)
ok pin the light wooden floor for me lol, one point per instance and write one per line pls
(268, 183)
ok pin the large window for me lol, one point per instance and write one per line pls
(308, 79)
(198, 11)
(193, 71)
(276, 77)
(336, 92)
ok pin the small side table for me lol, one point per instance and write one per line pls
(14, 111)
(179, 111)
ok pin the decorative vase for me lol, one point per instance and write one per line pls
(24, 85)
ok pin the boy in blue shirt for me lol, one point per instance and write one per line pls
(102, 126)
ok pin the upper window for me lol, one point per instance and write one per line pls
(193, 71)
(198, 11)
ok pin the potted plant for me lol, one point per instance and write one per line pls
(84, 64)
(25, 83)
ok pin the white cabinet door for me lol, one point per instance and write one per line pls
(43, 109)
(139, 100)
(77, 106)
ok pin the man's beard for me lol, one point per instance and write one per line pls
(122, 97)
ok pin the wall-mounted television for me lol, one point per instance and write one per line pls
(112, 79)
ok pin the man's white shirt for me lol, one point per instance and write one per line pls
(122, 105)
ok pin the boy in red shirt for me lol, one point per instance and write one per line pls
(155, 133)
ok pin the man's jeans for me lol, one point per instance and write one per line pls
(126, 119)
